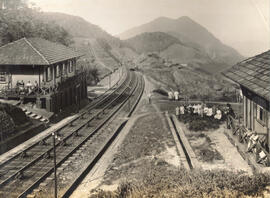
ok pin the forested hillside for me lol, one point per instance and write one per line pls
(18, 20)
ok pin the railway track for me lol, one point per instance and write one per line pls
(33, 167)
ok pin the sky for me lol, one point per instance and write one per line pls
(241, 24)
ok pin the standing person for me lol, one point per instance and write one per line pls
(176, 95)
(230, 110)
(177, 112)
(29, 86)
(149, 97)
(36, 84)
(170, 94)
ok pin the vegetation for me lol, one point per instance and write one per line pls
(11, 117)
(161, 92)
(7, 125)
(197, 123)
(18, 20)
(16, 114)
(196, 183)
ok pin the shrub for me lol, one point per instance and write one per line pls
(197, 123)
(17, 115)
(161, 92)
(7, 125)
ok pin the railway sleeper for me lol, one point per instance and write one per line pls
(89, 124)
(31, 196)
(63, 143)
(42, 143)
(75, 134)
(83, 116)
(19, 175)
(98, 117)
(23, 155)
(71, 124)
(66, 163)
(47, 155)
(43, 184)
(72, 158)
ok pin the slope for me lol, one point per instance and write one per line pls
(192, 33)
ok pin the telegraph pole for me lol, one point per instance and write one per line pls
(110, 80)
(54, 161)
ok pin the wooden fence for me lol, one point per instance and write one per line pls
(255, 143)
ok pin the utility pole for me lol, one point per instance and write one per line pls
(54, 161)
(110, 80)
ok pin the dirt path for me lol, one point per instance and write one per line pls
(233, 161)
(112, 161)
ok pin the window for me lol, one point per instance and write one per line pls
(261, 114)
(3, 77)
(49, 74)
(60, 70)
(70, 66)
(57, 70)
(64, 68)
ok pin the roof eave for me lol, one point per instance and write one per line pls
(45, 64)
(268, 99)
(58, 61)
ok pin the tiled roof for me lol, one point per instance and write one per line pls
(35, 51)
(253, 74)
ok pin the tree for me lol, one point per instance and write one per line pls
(13, 4)
(17, 20)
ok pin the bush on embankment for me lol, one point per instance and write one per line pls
(6, 124)
(197, 123)
(17, 115)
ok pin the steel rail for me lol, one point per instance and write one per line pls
(38, 181)
(88, 108)
(41, 156)
(106, 146)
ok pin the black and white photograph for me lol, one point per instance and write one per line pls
(134, 98)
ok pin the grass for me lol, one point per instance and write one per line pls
(196, 183)
(202, 146)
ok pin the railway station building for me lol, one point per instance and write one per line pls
(43, 72)
(253, 76)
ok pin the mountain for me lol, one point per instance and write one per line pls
(189, 81)
(192, 34)
(77, 26)
(156, 41)
(102, 50)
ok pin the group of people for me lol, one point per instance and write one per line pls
(27, 88)
(203, 110)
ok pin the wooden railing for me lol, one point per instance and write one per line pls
(43, 89)
(255, 143)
